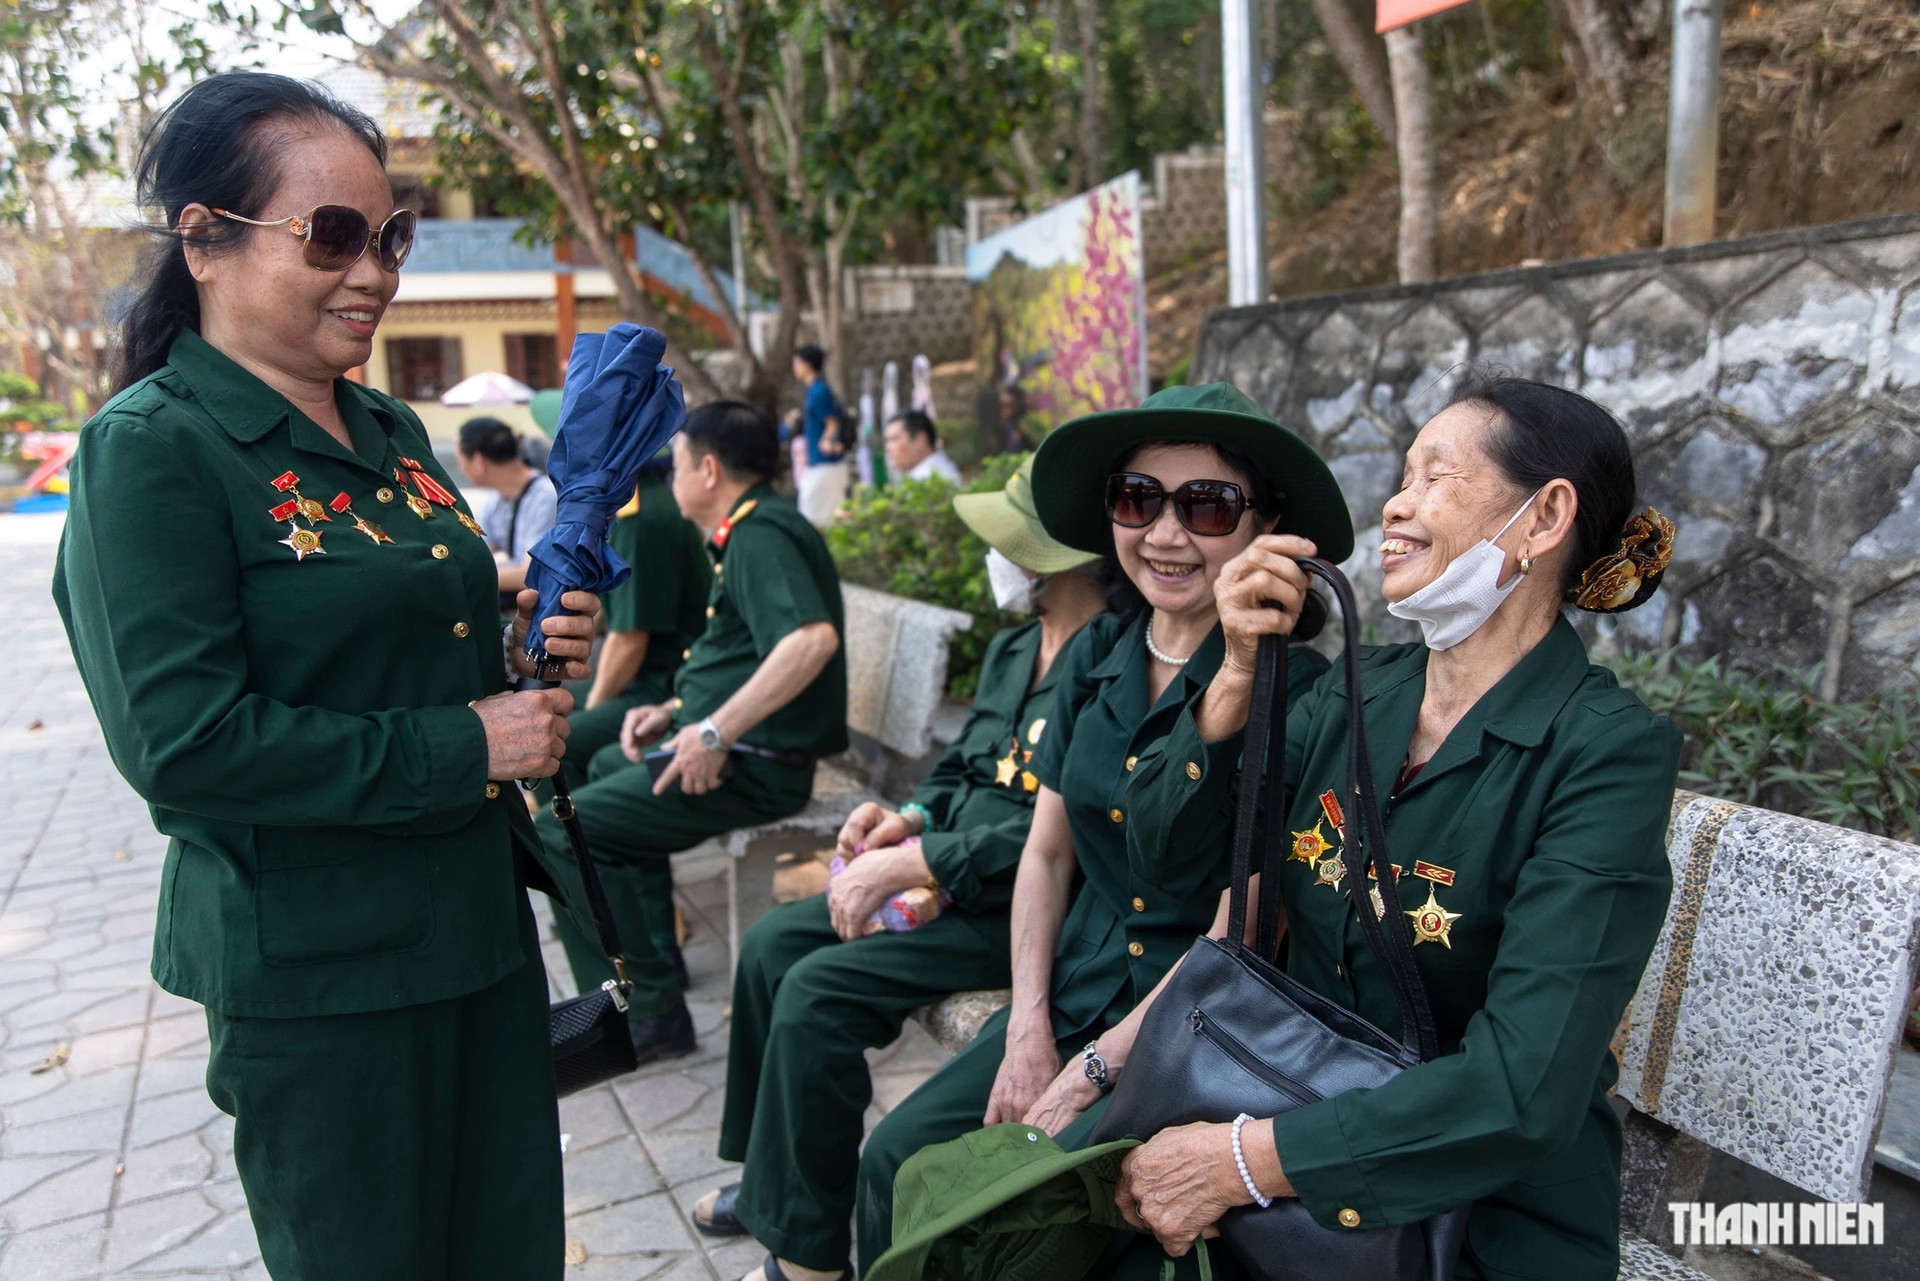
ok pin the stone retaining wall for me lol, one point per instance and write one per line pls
(1771, 387)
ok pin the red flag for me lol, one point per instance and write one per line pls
(1389, 14)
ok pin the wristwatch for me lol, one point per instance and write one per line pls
(710, 737)
(1096, 1068)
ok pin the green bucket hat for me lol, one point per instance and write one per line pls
(1071, 467)
(1006, 520)
(545, 409)
(1004, 1202)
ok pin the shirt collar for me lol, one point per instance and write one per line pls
(1194, 674)
(1522, 705)
(242, 404)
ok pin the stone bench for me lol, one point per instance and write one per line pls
(896, 676)
(1766, 1026)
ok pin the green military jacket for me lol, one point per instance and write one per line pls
(1532, 849)
(666, 596)
(980, 795)
(288, 691)
(1147, 893)
(772, 575)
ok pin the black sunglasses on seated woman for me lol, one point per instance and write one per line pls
(337, 236)
(1209, 508)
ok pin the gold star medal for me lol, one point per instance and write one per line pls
(1431, 922)
(1332, 871)
(288, 483)
(1310, 846)
(472, 525)
(305, 542)
(1006, 769)
(342, 505)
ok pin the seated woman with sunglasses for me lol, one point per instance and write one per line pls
(1528, 817)
(1174, 490)
(287, 625)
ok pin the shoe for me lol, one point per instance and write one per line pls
(678, 960)
(665, 1036)
(724, 1222)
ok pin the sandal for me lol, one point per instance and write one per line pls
(771, 1271)
(723, 1223)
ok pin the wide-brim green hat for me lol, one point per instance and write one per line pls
(1003, 1202)
(1071, 467)
(545, 408)
(1006, 520)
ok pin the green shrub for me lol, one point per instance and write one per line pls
(905, 539)
(1773, 741)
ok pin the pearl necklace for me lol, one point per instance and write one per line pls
(1160, 655)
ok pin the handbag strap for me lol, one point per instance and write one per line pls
(597, 904)
(1263, 771)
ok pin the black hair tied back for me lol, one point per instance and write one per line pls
(1542, 433)
(214, 146)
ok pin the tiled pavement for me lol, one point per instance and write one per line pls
(114, 1163)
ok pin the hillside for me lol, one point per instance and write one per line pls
(1820, 122)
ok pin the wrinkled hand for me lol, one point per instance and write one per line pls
(1259, 593)
(1031, 1061)
(1179, 1183)
(867, 883)
(569, 636)
(642, 726)
(695, 768)
(873, 826)
(526, 732)
(1069, 1094)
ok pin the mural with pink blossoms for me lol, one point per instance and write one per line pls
(1059, 316)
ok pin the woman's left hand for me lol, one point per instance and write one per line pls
(569, 636)
(1179, 1183)
(865, 884)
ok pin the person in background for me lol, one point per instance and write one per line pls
(913, 448)
(759, 698)
(816, 989)
(822, 486)
(523, 503)
(652, 621)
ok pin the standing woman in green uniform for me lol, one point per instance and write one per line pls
(652, 620)
(287, 625)
(815, 990)
(1529, 815)
(1173, 490)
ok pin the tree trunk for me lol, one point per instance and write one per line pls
(1413, 112)
(1358, 54)
(1093, 165)
(1606, 51)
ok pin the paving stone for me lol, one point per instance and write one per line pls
(229, 1242)
(88, 1132)
(175, 1165)
(649, 1223)
(590, 1118)
(64, 1252)
(146, 1229)
(80, 1094)
(652, 1102)
(170, 1115)
(615, 1171)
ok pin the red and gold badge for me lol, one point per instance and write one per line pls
(725, 530)
(342, 504)
(1310, 846)
(305, 542)
(288, 483)
(1432, 923)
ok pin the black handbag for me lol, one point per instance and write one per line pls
(588, 1032)
(1232, 1033)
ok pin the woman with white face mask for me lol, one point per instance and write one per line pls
(1528, 815)
(817, 986)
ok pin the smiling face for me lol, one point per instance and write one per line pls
(1174, 569)
(261, 302)
(1452, 495)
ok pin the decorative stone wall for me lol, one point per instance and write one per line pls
(1770, 385)
(897, 313)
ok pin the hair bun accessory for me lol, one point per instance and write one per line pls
(1627, 575)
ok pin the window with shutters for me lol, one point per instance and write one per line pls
(534, 360)
(422, 368)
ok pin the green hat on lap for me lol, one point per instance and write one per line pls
(1003, 1202)
(1006, 520)
(1071, 467)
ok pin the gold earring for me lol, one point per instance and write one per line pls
(1526, 564)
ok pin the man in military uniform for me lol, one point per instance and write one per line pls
(652, 619)
(758, 698)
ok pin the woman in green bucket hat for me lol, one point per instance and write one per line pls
(1104, 903)
(815, 989)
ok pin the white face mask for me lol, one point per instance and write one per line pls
(1014, 589)
(1453, 606)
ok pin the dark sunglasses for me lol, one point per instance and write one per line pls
(1209, 508)
(337, 236)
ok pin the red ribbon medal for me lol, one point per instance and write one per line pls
(342, 504)
(287, 482)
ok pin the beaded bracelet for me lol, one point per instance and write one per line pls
(915, 807)
(1240, 1160)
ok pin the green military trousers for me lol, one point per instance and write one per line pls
(593, 751)
(415, 1144)
(806, 1007)
(628, 828)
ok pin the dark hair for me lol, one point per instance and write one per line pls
(1542, 433)
(811, 355)
(916, 423)
(216, 145)
(490, 438)
(738, 434)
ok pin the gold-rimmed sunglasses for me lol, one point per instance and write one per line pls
(336, 236)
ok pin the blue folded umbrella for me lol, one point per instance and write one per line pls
(619, 407)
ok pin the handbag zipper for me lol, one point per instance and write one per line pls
(1230, 1045)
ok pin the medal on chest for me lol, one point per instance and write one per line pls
(1431, 922)
(305, 542)
(342, 505)
(309, 509)
(425, 491)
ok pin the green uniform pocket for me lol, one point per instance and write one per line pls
(364, 908)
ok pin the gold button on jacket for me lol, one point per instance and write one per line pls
(1135, 949)
(1349, 1218)
(461, 629)
(1193, 770)
(440, 551)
